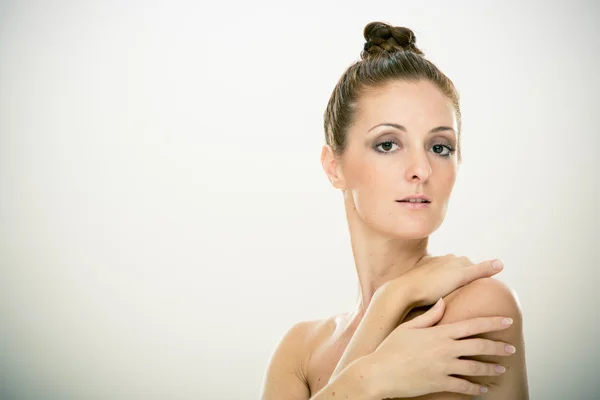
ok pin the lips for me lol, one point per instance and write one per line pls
(420, 198)
(415, 199)
(414, 205)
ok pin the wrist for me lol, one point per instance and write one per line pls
(409, 293)
(401, 297)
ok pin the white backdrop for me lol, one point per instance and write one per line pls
(164, 218)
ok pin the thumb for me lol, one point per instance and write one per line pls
(429, 318)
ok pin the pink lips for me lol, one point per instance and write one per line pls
(417, 196)
(414, 206)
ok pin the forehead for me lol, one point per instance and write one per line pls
(408, 103)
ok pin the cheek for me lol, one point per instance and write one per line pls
(447, 179)
(371, 180)
(373, 191)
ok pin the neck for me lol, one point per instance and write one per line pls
(379, 258)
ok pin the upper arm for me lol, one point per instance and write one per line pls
(284, 378)
(488, 297)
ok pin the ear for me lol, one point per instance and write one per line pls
(332, 167)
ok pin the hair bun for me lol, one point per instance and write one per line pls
(383, 38)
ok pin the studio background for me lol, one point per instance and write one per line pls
(164, 217)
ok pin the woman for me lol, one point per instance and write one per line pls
(392, 131)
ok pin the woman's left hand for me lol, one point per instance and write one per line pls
(435, 277)
(431, 279)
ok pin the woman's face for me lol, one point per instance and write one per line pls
(383, 164)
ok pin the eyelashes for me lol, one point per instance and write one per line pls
(450, 149)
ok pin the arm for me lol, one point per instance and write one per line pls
(394, 300)
(353, 383)
(488, 297)
(285, 377)
(388, 308)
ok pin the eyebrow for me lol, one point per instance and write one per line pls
(402, 128)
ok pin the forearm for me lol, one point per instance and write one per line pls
(385, 312)
(353, 383)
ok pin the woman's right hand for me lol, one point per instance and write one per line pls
(431, 278)
(418, 358)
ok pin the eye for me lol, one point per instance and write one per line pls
(442, 147)
(385, 146)
(388, 145)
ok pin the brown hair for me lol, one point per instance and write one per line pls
(390, 53)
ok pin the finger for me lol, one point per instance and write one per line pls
(463, 386)
(429, 318)
(482, 270)
(475, 368)
(465, 261)
(475, 326)
(476, 347)
(487, 268)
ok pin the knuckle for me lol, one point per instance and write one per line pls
(481, 369)
(480, 346)
(498, 350)
(474, 389)
(464, 260)
(474, 368)
(471, 327)
(464, 386)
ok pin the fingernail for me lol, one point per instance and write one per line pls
(500, 369)
(483, 389)
(438, 304)
(507, 321)
(510, 349)
(497, 265)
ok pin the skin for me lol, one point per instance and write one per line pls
(389, 239)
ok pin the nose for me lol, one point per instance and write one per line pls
(418, 167)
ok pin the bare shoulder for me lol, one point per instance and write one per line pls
(484, 297)
(487, 297)
(309, 334)
(301, 338)
(286, 375)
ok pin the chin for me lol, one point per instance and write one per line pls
(412, 234)
(407, 231)
(411, 229)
